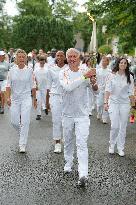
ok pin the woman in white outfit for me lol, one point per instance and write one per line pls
(91, 95)
(75, 114)
(41, 80)
(19, 86)
(118, 94)
(102, 74)
(55, 90)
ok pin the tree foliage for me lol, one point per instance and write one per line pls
(105, 49)
(2, 2)
(38, 8)
(44, 32)
(83, 25)
(65, 9)
(5, 32)
(119, 16)
(40, 24)
(5, 29)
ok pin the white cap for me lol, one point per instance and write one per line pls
(109, 55)
(2, 53)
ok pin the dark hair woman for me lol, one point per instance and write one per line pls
(119, 93)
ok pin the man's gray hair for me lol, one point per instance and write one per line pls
(70, 50)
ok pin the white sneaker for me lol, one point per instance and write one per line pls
(98, 116)
(104, 121)
(67, 168)
(121, 153)
(111, 149)
(57, 148)
(90, 113)
(22, 148)
(82, 182)
(93, 107)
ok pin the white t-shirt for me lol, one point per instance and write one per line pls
(102, 75)
(21, 82)
(75, 93)
(53, 79)
(41, 76)
(51, 60)
(119, 89)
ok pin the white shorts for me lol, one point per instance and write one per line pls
(3, 85)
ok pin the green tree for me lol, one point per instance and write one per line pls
(2, 2)
(65, 9)
(105, 49)
(83, 25)
(5, 27)
(31, 32)
(119, 16)
(38, 8)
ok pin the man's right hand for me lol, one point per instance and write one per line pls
(90, 73)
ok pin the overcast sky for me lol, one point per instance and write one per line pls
(10, 7)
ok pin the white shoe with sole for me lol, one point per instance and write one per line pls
(57, 148)
(22, 148)
(98, 116)
(67, 169)
(82, 182)
(90, 114)
(121, 153)
(104, 121)
(111, 149)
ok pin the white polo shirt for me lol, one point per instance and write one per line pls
(41, 76)
(53, 79)
(119, 89)
(21, 82)
(75, 93)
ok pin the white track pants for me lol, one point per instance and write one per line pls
(20, 118)
(100, 106)
(56, 110)
(41, 100)
(81, 128)
(119, 117)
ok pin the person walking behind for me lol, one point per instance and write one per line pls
(20, 83)
(41, 80)
(91, 95)
(119, 92)
(4, 68)
(11, 55)
(102, 74)
(55, 90)
(51, 59)
(75, 114)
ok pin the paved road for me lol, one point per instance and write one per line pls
(36, 178)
